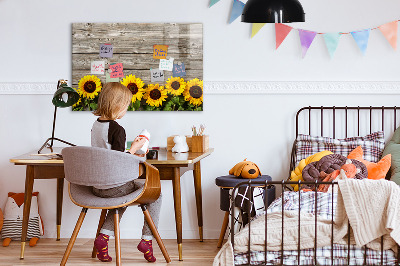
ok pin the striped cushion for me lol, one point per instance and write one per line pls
(13, 228)
(372, 145)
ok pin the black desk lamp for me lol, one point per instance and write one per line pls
(63, 97)
(273, 11)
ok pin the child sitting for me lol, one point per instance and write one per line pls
(106, 133)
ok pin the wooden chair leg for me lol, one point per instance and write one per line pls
(117, 238)
(223, 229)
(101, 222)
(73, 237)
(154, 230)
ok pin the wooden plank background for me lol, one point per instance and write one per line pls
(133, 46)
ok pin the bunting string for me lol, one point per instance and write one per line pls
(361, 37)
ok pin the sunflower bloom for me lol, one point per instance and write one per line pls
(194, 92)
(135, 85)
(89, 86)
(155, 95)
(175, 85)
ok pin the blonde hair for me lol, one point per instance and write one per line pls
(113, 97)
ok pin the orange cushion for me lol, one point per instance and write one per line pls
(375, 170)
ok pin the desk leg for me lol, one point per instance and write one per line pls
(27, 206)
(176, 182)
(60, 190)
(199, 204)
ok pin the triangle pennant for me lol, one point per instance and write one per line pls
(256, 28)
(281, 31)
(389, 30)
(332, 41)
(237, 9)
(361, 37)
(306, 39)
(213, 2)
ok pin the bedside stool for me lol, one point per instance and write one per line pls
(226, 183)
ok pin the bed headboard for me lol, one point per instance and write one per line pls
(344, 121)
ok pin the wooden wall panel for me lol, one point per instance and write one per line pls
(133, 46)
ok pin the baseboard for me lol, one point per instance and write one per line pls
(245, 87)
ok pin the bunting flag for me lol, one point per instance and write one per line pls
(332, 41)
(361, 37)
(256, 28)
(281, 31)
(306, 39)
(389, 30)
(213, 2)
(237, 9)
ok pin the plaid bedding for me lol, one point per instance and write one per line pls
(322, 207)
(372, 145)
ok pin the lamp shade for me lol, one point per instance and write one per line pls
(273, 11)
(65, 96)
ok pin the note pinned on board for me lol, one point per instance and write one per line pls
(156, 75)
(166, 64)
(117, 70)
(179, 70)
(106, 50)
(110, 79)
(160, 51)
(97, 67)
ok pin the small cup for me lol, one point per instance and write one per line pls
(152, 155)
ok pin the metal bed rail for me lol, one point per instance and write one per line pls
(265, 185)
(346, 123)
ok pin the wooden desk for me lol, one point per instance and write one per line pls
(171, 167)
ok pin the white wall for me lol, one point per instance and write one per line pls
(36, 47)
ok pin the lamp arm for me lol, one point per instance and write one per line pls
(54, 126)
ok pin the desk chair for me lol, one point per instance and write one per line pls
(85, 167)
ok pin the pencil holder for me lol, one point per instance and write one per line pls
(200, 143)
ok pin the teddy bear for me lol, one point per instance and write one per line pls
(245, 169)
(180, 144)
(13, 215)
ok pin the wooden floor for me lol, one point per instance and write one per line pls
(50, 252)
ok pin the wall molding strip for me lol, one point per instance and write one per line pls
(246, 87)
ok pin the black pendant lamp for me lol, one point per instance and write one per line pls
(273, 11)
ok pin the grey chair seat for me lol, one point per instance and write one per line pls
(83, 196)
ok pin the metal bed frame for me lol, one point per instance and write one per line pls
(283, 184)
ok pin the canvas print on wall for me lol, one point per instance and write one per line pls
(160, 63)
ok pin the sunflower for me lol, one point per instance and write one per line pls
(175, 86)
(155, 95)
(135, 85)
(194, 92)
(89, 86)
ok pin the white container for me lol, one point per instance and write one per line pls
(144, 134)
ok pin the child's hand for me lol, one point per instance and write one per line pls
(137, 144)
(142, 155)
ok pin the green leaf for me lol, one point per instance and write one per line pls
(181, 108)
(175, 100)
(93, 106)
(136, 105)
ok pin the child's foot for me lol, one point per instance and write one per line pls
(146, 247)
(101, 245)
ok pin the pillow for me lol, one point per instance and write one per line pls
(375, 170)
(372, 144)
(393, 148)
